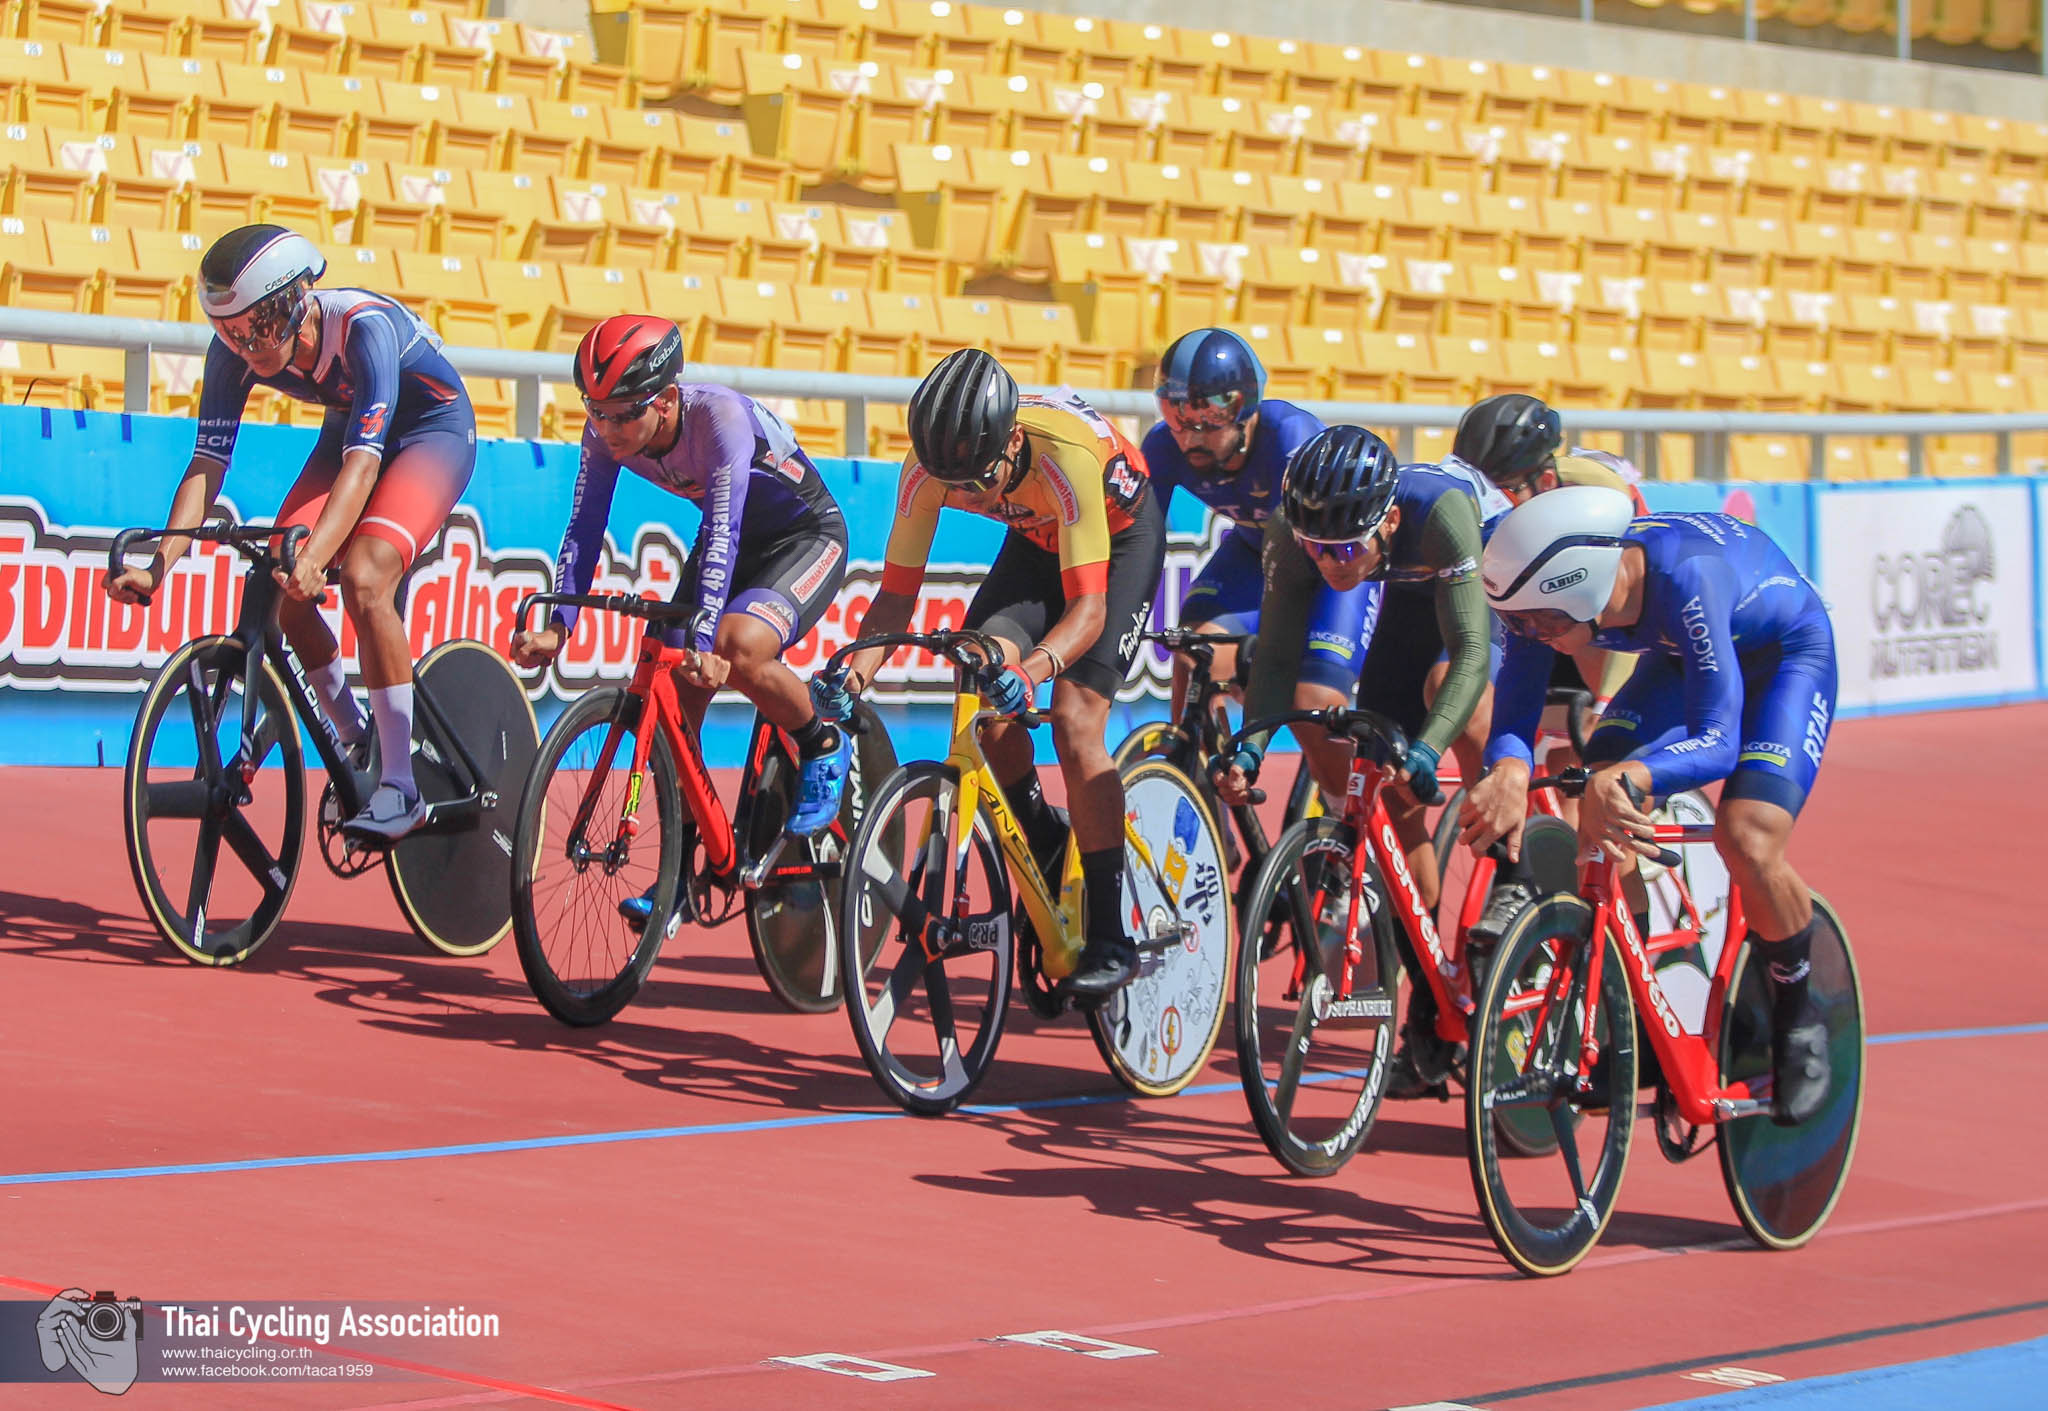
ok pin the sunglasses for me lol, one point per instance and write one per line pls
(997, 474)
(1538, 624)
(631, 414)
(1336, 550)
(1201, 414)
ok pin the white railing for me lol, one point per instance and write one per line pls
(528, 371)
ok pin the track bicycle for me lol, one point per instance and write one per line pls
(586, 840)
(217, 758)
(1558, 1021)
(1316, 1023)
(942, 868)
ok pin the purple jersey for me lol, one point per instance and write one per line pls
(732, 455)
(377, 364)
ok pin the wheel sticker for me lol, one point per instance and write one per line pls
(1169, 1031)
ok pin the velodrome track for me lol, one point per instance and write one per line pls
(659, 1208)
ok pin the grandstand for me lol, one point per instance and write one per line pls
(863, 185)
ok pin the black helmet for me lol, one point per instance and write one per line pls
(961, 415)
(1508, 437)
(1340, 484)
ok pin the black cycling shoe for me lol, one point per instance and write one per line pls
(1800, 1070)
(1105, 966)
(1503, 904)
(1405, 1082)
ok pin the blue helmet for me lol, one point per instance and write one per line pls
(1208, 376)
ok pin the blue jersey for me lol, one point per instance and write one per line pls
(1417, 566)
(1718, 597)
(377, 365)
(737, 459)
(1248, 495)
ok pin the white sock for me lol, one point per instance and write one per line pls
(337, 702)
(391, 708)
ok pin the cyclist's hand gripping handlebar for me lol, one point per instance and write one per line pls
(219, 531)
(1572, 784)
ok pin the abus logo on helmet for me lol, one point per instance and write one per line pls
(1562, 581)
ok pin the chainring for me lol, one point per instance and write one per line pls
(1678, 1139)
(344, 856)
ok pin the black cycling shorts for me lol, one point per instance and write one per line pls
(786, 580)
(1021, 598)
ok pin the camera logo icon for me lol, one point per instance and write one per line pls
(97, 1335)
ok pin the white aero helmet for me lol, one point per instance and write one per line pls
(1557, 552)
(253, 281)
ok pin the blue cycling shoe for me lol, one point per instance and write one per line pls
(821, 781)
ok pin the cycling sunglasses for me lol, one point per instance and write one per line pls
(1537, 624)
(626, 417)
(997, 475)
(1202, 414)
(1337, 550)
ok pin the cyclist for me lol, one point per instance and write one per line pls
(770, 551)
(394, 454)
(1221, 440)
(1517, 442)
(1069, 592)
(1350, 512)
(1736, 681)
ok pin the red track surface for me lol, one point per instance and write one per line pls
(663, 1274)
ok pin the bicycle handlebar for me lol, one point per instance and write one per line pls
(977, 654)
(650, 610)
(1366, 729)
(1181, 639)
(238, 537)
(1576, 701)
(1572, 784)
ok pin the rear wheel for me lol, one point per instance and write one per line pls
(1784, 1181)
(1158, 1031)
(455, 887)
(927, 1021)
(1313, 1077)
(189, 789)
(587, 841)
(1546, 1213)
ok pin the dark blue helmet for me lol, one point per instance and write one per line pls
(1340, 484)
(1208, 378)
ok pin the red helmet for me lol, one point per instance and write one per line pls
(628, 356)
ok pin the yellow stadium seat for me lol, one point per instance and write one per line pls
(54, 21)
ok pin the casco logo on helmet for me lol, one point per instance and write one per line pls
(1562, 581)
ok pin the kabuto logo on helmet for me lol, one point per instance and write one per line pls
(1562, 581)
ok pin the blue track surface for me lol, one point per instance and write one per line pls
(2013, 1378)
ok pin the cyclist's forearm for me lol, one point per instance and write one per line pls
(889, 612)
(1462, 617)
(1290, 583)
(344, 507)
(195, 495)
(1518, 701)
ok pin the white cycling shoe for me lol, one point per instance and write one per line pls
(389, 815)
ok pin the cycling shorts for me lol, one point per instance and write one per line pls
(424, 473)
(786, 580)
(1405, 645)
(1788, 706)
(1021, 598)
(1226, 594)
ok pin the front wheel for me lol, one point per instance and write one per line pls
(926, 1007)
(1314, 1067)
(1151, 738)
(1546, 1213)
(586, 841)
(1784, 1181)
(1157, 1032)
(190, 788)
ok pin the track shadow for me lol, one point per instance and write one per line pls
(1212, 1177)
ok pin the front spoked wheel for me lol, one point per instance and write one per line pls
(214, 832)
(927, 1007)
(1314, 1067)
(588, 840)
(1784, 1181)
(1157, 1032)
(1546, 1213)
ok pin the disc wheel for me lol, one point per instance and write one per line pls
(576, 859)
(792, 926)
(927, 1021)
(455, 886)
(1157, 1032)
(1153, 737)
(1312, 1079)
(1546, 1213)
(1784, 1181)
(213, 854)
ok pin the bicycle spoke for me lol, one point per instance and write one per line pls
(177, 798)
(1567, 1143)
(890, 1003)
(1295, 1055)
(204, 855)
(205, 718)
(939, 996)
(254, 856)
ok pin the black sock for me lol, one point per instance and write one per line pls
(1034, 815)
(819, 737)
(1642, 920)
(1786, 968)
(1102, 873)
(1506, 872)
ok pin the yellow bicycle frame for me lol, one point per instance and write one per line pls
(1058, 921)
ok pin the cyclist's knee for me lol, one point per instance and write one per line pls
(1078, 717)
(747, 643)
(369, 574)
(1751, 834)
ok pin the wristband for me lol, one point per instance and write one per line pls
(1059, 667)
